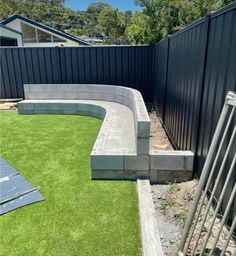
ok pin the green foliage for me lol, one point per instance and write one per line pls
(79, 216)
(5, 10)
(97, 7)
(168, 16)
(113, 23)
(138, 30)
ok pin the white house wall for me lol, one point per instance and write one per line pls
(16, 24)
(11, 34)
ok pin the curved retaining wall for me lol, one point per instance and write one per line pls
(89, 99)
(119, 94)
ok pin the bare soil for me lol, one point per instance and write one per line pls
(158, 137)
(172, 203)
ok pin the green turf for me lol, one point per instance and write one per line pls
(79, 216)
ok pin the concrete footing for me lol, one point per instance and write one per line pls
(151, 243)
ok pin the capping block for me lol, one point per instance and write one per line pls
(170, 166)
(171, 160)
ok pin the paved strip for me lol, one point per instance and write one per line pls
(151, 243)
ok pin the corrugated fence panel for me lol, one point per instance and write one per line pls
(118, 65)
(201, 69)
(220, 77)
(184, 84)
(161, 51)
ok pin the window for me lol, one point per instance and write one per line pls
(28, 33)
(31, 34)
(58, 40)
(44, 37)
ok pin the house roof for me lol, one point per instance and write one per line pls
(10, 29)
(40, 25)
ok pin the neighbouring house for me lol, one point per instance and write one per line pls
(9, 36)
(93, 40)
(35, 34)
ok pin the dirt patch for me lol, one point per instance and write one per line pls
(158, 137)
(172, 203)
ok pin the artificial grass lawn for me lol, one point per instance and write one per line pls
(79, 216)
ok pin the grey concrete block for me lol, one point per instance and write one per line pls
(28, 106)
(83, 95)
(40, 111)
(26, 87)
(151, 242)
(69, 106)
(20, 107)
(142, 174)
(71, 95)
(142, 146)
(166, 176)
(136, 162)
(83, 108)
(25, 112)
(31, 95)
(143, 129)
(55, 106)
(96, 115)
(109, 97)
(95, 108)
(40, 106)
(171, 160)
(107, 162)
(113, 175)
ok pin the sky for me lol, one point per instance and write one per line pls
(122, 5)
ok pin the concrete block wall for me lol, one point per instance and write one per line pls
(159, 166)
(119, 94)
(168, 166)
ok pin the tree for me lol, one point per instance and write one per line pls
(168, 16)
(113, 23)
(5, 10)
(138, 30)
(97, 7)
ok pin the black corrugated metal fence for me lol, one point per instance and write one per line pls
(120, 65)
(193, 71)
